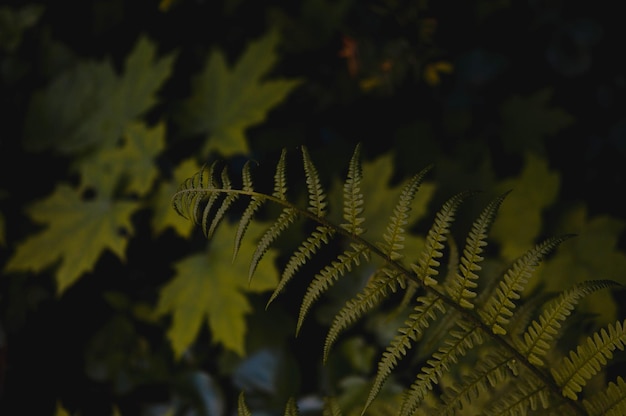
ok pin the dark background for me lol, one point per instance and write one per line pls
(498, 50)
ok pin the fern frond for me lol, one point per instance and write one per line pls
(321, 235)
(291, 408)
(541, 333)
(461, 289)
(611, 402)
(588, 359)
(352, 196)
(317, 203)
(528, 394)
(437, 235)
(242, 408)
(226, 203)
(376, 290)
(394, 233)
(280, 180)
(499, 308)
(459, 342)
(488, 373)
(284, 220)
(425, 311)
(331, 407)
(328, 275)
(255, 204)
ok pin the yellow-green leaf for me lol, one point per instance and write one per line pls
(164, 216)
(528, 121)
(225, 102)
(206, 288)
(518, 222)
(89, 105)
(77, 232)
(592, 254)
(133, 161)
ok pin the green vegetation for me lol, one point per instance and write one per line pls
(498, 126)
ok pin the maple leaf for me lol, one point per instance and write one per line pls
(89, 105)
(78, 232)
(592, 255)
(518, 222)
(226, 102)
(133, 161)
(527, 121)
(208, 287)
(164, 216)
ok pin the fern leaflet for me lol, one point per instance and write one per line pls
(425, 311)
(255, 203)
(461, 288)
(427, 263)
(499, 308)
(541, 333)
(611, 402)
(588, 359)
(459, 342)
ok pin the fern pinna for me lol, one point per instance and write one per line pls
(517, 366)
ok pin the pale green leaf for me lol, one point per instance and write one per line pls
(134, 161)
(77, 233)
(519, 221)
(164, 214)
(88, 105)
(206, 288)
(225, 102)
(528, 121)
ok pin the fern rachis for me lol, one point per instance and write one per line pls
(484, 320)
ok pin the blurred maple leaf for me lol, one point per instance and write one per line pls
(208, 286)
(133, 161)
(527, 121)
(592, 255)
(78, 232)
(88, 105)
(164, 215)
(226, 102)
(519, 221)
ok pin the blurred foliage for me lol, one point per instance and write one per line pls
(112, 304)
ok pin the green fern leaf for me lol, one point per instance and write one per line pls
(321, 235)
(328, 275)
(528, 394)
(611, 402)
(376, 289)
(280, 180)
(394, 234)
(291, 408)
(331, 407)
(437, 235)
(284, 220)
(255, 204)
(461, 289)
(488, 373)
(242, 408)
(317, 203)
(541, 333)
(424, 312)
(459, 342)
(352, 196)
(588, 359)
(499, 308)
(226, 203)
